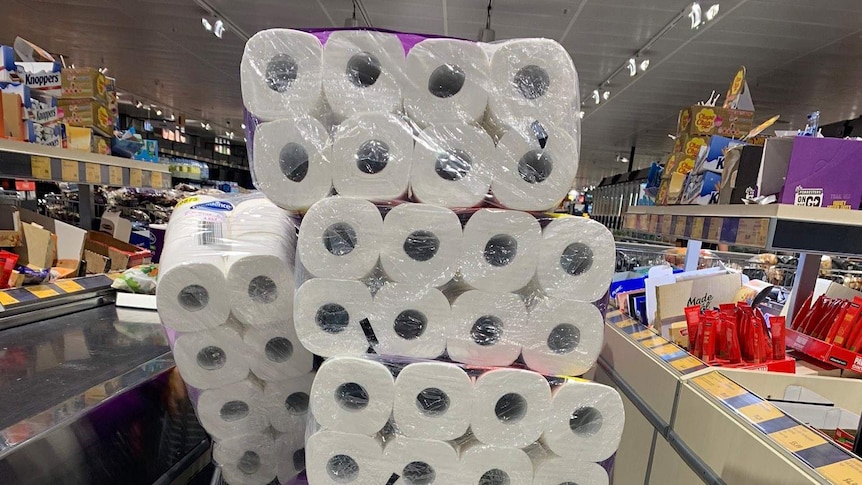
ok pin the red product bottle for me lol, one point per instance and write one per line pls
(776, 325)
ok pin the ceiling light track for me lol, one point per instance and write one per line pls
(227, 24)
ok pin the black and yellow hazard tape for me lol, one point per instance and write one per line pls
(13, 297)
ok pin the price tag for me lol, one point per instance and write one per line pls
(697, 228)
(156, 180)
(714, 232)
(6, 299)
(797, 438)
(115, 175)
(40, 167)
(136, 177)
(93, 173)
(69, 286)
(719, 386)
(686, 363)
(42, 291)
(69, 171)
(847, 471)
(760, 412)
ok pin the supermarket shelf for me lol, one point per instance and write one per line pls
(772, 227)
(823, 351)
(38, 162)
(220, 163)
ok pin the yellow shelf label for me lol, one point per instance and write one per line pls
(642, 334)
(719, 385)
(6, 299)
(653, 342)
(69, 171)
(666, 349)
(685, 363)
(156, 180)
(797, 438)
(760, 412)
(136, 177)
(847, 472)
(697, 228)
(40, 167)
(115, 175)
(93, 173)
(69, 286)
(42, 291)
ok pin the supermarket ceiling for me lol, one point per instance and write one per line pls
(800, 55)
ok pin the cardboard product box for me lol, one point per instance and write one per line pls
(712, 156)
(714, 120)
(87, 113)
(739, 179)
(149, 152)
(84, 83)
(824, 172)
(104, 253)
(10, 226)
(47, 241)
(702, 188)
(100, 145)
(689, 144)
(680, 163)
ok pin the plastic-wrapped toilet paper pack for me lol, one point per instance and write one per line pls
(447, 81)
(280, 74)
(352, 395)
(501, 249)
(556, 470)
(285, 403)
(487, 328)
(334, 458)
(585, 422)
(362, 71)
(482, 464)
(510, 407)
(290, 163)
(328, 315)
(290, 453)
(232, 410)
(211, 358)
(410, 320)
(422, 461)
(371, 157)
(246, 459)
(275, 353)
(433, 400)
(564, 337)
(576, 259)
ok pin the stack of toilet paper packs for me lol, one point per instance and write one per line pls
(451, 310)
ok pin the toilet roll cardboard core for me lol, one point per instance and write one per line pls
(363, 69)
(421, 245)
(293, 161)
(193, 298)
(586, 421)
(261, 289)
(249, 463)
(432, 401)
(494, 476)
(211, 358)
(297, 403)
(500, 250)
(372, 156)
(410, 324)
(233, 411)
(342, 469)
(281, 72)
(351, 396)
(535, 166)
(418, 473)
(511, 408)
(299, 459)
(446, 81)
(332, 318)
(576, 259)
(564, 338)
(278, 349)
(532, 81)
(453, 164)
(486, 330)
(340, 238)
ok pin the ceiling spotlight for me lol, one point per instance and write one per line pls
(103, 70)
(242, 126)
(622, 159)
(207, 25)
(712, 12)
(486, 33)
(173, 117)
(158, 112)
(139, 105)
(229, 134)
(205, 126)
(633, 67)
(695, 15)
(596, 96)
(606, 95)
(244, 139)
(581, 114)
(218, 28)
(644, 64)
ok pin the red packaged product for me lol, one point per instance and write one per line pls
(735, 352)
(855, 330)
(839, 332)
(804, 310)
(708, 338)
(692, 321)
(776, 325)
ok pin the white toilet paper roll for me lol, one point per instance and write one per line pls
(433, 400)
(586, 421)
(422, 461)
(363, 71)
(290, 455)
(556, 471)
(211, 358)
(510, 407)
(334, 458)
(421, 244)
(501, 249)
(201, 224)
(291, 162)
(286, 403)
(576, 259)
(533, 79)
(191, 295)
(327, 314)
(280, 74)
(352, 395)
(371, 157)
(452, 165)
(258, 215)
(410, 320)
(447, 80)
(275, 353)
(247, 459)
(532, 177)
(233, 410)
(260, 284)
(564, 337)
(339, 238)
(485, 464)
(487, 328)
